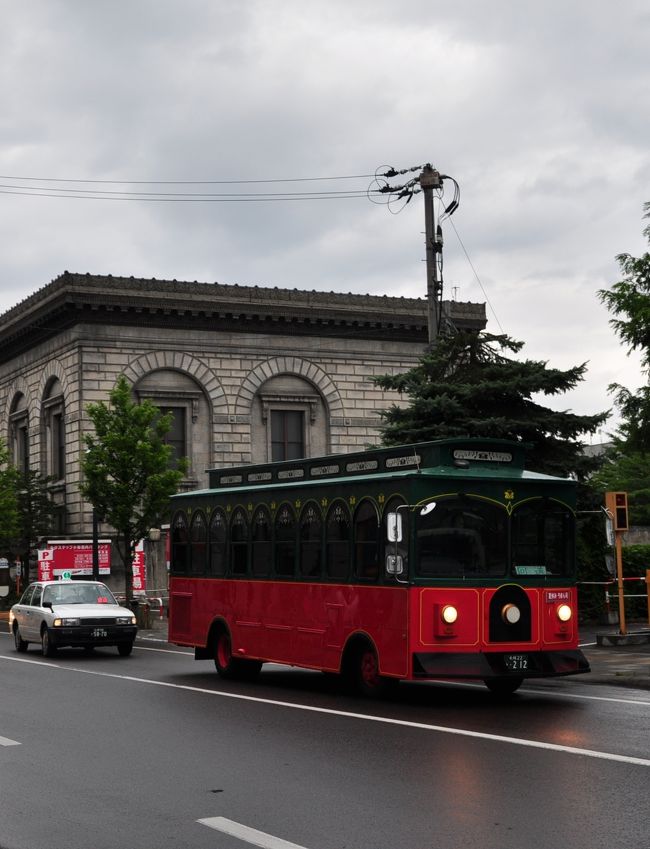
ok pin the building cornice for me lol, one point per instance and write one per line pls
(84, 298)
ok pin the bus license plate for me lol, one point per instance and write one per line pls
(100, 632)
(516, 662)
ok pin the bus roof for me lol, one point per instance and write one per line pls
(462, 457)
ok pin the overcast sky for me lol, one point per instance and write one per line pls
(540, 111)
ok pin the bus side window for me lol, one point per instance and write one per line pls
(337, 541)
(218, 549)
(180, 540)
(261, 552)
(198, 543)
(238, 542)
(311, 540)
(366, 540)
(285, 542)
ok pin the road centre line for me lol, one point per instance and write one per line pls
(247, 834)
(403, 723)
(5, 741)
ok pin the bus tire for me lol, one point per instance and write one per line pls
(362, 673)
(503, 686)
(230, 667)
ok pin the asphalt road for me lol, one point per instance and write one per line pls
(154, 750)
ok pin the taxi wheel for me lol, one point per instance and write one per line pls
(125, 649)
(21, 645)
(47, 648)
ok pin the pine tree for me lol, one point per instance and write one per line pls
(470, 384)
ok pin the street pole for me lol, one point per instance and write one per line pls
(95, 546)
(430, 180)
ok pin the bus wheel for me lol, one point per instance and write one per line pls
(365, 676)
(503, 686)
(232, 667)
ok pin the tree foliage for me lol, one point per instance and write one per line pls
(8, 500)
(470, 384)
(627, 465)
(36, 514)
(126, 468)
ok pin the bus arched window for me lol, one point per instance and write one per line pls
(285, 542)
(542, 538)
(261, 554)
(311, 536)
(180, 539)
(198, 543)
(238, 542)
(462, 536)
(366, 541)
(218, 536)
(337, 541)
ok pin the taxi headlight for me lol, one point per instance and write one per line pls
(125, 620)
(564, 613)
(66, 623)
(449, 614)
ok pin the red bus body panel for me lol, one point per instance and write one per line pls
(308, 624)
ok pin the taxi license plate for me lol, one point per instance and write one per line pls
(516, 662)
(100, 632)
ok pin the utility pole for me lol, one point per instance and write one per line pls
(429, 180)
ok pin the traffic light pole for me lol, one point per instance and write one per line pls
(622, 626)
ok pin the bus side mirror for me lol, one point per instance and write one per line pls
(394, 564)
(394, 527)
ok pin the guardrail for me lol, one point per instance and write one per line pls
(613, 582)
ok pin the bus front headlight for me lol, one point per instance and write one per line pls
(449, 614)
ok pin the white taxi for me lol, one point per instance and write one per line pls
(71, 613)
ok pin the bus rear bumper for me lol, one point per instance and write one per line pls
(537, 664)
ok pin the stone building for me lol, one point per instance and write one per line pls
(249, 373)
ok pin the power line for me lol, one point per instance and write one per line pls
(186, 182)
(478, 279)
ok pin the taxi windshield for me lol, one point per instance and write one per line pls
(78, 594)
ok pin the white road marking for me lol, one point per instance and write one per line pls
(5, 741)
(248, 835)
(403, 723)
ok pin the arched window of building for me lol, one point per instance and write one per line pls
(191, 421)
(290, 420)
(54, 430)
(19, 433)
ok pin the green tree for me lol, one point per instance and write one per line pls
(470, 384)
(127, 474)
(627, 465)
(36, 514)
(8, 501)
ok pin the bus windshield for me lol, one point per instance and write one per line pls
(462, 536)
(542, 538)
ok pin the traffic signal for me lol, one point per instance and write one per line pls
(616, 504)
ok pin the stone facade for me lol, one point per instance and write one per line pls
(226, 359)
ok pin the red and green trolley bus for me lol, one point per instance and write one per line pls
(441, 560)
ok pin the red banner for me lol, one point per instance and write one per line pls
(73, 556)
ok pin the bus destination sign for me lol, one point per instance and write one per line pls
(484, 456)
